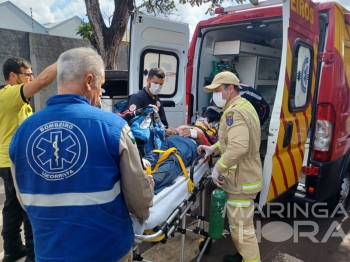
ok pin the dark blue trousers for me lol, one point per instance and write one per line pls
(170, 168)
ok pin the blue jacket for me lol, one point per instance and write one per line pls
(262, 108)
(67, 171)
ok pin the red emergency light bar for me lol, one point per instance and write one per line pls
(219, 10)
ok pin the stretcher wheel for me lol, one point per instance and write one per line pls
(202, 243)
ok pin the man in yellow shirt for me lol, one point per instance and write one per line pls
(14, 109)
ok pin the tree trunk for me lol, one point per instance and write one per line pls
(109, 38)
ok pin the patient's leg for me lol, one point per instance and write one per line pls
(167, 172)
(152, 157)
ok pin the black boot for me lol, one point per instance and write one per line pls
(15, 255)
(233, 258)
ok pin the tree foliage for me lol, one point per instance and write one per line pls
(85, 31)
(107, 39)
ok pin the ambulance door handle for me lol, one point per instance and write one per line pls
(288, 134)
(168, 103)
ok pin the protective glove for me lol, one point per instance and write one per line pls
(215, 177)
(146, 163)
(155, 108)
(208, 151)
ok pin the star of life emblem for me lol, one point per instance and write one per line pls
(57, 150)
(305, 75)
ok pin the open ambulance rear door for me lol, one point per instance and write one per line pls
(291, 114)
(156, 42)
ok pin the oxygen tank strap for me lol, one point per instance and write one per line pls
(165, 155)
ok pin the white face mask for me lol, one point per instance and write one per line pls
(155, 89)
(218, 100)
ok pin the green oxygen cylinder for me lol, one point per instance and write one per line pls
(215, 71)
(233, 70)
(217, 212)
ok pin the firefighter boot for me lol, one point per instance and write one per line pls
(15, 255)
(233, 258)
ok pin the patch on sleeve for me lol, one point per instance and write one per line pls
(229, 119)
(130, 134)
(132, 107)
(158, 104)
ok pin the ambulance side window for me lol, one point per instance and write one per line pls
(300, 79)
(168, 61)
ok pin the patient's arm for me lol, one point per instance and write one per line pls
(199, 137)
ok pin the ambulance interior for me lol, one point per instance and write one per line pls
(252, 50)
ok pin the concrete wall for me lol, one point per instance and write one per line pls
(42, 50)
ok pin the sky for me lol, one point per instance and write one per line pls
(45, 11)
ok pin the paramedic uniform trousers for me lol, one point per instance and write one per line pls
(239, 142)
(240, 213)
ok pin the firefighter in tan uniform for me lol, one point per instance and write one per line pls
(239, 142)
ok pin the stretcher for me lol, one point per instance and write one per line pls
(171, 207)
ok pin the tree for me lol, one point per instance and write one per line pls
(85, 31)
(107, 40)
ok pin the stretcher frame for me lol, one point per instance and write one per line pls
(172, 224)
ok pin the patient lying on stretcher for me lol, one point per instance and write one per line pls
(202, 132)
(185, 139)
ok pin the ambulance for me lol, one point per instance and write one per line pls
(296, 53)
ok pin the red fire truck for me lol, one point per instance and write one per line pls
(296, 53)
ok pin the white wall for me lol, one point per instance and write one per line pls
(14, 19)
(67, 29)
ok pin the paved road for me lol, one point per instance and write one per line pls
(277, 243)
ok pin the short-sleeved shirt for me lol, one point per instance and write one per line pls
(143, 99)
(14, 109)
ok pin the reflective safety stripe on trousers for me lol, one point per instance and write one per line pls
(223, 165)
(72, 199)
(238, 203)
(252, 186)
(254, 260)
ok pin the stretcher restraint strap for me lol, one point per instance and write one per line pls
(165, 155)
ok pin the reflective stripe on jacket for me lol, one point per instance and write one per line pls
(68, 159)
(239, 142)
